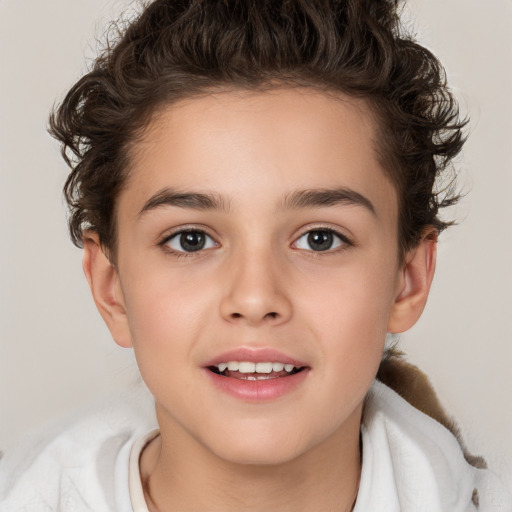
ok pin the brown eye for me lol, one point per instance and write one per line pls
(319, 240)
(190, 241)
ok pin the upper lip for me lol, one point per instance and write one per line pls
(254, 355)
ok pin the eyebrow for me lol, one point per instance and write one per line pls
(310, 198)
(320, 198)
(192, 200)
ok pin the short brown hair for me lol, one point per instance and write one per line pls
(178, 48)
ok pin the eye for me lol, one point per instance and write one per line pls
(319, 240)
(190, 241)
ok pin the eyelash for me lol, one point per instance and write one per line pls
(185, 254)
(345, 242)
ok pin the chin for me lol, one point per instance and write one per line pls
(253, 448)
(257, 457)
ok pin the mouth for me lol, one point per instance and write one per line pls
(255, 371)
(256, 374)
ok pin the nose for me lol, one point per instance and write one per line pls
(256, 291)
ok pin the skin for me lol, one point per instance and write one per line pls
(258, 284)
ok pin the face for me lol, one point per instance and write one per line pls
(257, 270)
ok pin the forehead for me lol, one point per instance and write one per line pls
(260, 143)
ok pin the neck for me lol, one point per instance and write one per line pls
(181, 474)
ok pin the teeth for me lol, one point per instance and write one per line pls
(245, 367)
(263, 367)
(249, 367)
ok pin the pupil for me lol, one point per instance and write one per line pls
(192, 241)
(320, 240)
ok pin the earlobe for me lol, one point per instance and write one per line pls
(103, 280)
(414, 286)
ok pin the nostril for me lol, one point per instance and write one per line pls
(272, 315)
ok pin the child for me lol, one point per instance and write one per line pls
(252, 184)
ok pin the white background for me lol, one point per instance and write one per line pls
(56, 355)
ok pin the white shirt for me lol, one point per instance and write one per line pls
(411, 463)
(137, 498)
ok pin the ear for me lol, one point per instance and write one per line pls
(105, 285)
(414, 284)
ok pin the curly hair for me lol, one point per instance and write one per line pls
(180, 48)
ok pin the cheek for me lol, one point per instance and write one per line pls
(350, 328)
(167, 311)
(165, 323)
(359, 295)
(350, 314)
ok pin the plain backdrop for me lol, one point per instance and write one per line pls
(56, 355)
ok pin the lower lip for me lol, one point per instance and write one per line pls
(257, 390)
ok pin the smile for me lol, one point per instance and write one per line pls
(247, 370)
(256, 374)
